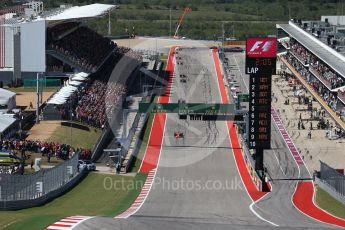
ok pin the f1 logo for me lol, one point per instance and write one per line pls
(261, 47)
(265, 47)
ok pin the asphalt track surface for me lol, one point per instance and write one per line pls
(197, 184)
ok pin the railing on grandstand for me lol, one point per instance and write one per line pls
(332, 178)
(69, 61)
(39, 184)
(43, 83)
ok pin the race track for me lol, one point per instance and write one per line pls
(197, 184)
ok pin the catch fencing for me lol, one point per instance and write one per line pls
(23, 191)
(333, 179)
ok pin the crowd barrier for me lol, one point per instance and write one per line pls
(332, 181)
(25, 191)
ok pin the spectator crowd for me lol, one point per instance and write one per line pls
(329, 97)
(97, 100)
(84, 47)
(330, 77)
(49, 149)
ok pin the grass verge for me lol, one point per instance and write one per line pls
(117, 193)
(328, 203)
(80, 138)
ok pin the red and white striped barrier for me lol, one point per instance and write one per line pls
(286, 137)
(68, 223)
(142, 196)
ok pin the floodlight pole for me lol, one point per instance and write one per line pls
(109, 23)
(170, 23)
(223, 41)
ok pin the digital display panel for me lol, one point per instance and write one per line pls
(261, 66)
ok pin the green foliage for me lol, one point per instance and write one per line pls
(254, 18)
(328, 203)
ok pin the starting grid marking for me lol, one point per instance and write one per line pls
(141, 198)
(286, 137)
(68, 223)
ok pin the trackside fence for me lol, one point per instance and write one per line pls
(333, 179)
(23, 191)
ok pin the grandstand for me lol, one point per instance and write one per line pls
(53, 38)
(310, 48)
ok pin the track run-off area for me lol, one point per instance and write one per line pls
(201, 181)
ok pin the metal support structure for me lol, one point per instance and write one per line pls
(124, 123)
(223, 41)
(38, 98)
(17, 72)
(117, 153)
(125, 113)
(259, 159)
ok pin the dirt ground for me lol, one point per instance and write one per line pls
(24, 99)
(43, 130)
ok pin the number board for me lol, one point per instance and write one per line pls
(260, 65)
(260, 112)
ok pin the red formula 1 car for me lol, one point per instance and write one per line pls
(178, 134)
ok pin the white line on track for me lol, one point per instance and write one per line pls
(258, 215)
(239, 70)
(275, 155)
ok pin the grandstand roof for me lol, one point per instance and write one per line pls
(5, 96)
(61, 96)
(6, 93)
(5, 122)
(87, 11)
(335, 60)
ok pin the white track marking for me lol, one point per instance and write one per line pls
(275, 155)
(239, 69)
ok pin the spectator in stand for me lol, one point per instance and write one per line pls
(97, 100)
(84, 47)
(331, 77)
(92, 108)
(329, 97)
